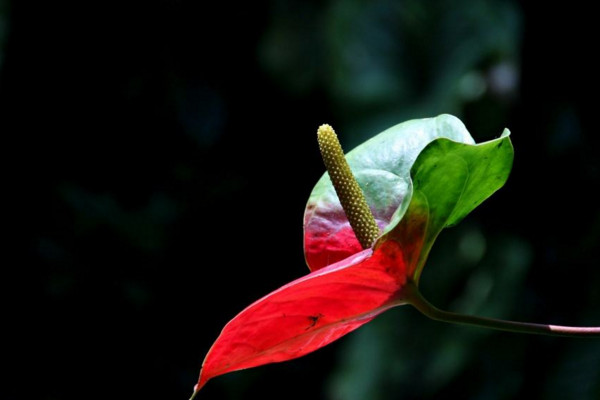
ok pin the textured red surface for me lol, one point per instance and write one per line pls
(309, 312)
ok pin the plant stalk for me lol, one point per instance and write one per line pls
(416, 299)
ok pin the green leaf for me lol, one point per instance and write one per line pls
(450, 179)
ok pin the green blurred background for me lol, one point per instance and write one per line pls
(160, 154)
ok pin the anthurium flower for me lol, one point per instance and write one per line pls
(417, 177)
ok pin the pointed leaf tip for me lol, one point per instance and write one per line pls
(196, 391)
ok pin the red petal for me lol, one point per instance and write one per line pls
(309, 312)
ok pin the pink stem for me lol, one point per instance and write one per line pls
(414, 297)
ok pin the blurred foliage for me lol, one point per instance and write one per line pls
(3, 27)
(389, 61)
(142, 140)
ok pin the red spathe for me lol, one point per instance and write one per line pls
(310, 312)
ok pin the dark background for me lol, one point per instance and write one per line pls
(159, 155)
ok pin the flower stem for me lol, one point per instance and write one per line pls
(415, 298)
